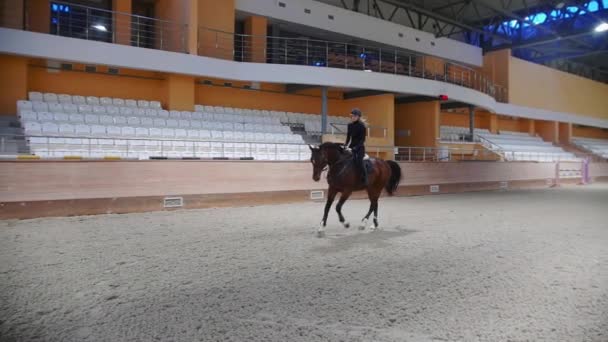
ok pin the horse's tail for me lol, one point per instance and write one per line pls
(394, 179)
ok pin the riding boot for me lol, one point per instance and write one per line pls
(364, 175)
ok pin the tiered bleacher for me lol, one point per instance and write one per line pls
(65, 125)
(518, 146)
(459, 134)
(595, 146)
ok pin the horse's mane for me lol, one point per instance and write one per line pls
(333, 145)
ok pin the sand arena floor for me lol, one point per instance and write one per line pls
(494, 266)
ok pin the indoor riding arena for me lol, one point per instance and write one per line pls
(303, 170)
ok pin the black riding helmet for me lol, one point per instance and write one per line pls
(356, 112)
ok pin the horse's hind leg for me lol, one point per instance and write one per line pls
(343, 199)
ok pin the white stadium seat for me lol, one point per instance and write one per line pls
(127, 131)
(113, 110)
(156, 132)
(118, 102)
(130, 103)
(64, 98)
(148, 122)
(113, 131)
(175, 114)
(98, 130)
(126, 111)
(92, 100)
(163, 113)
(106, 120)
(76, 118)
(159, 123)
(56, 107)
(99, 110)
(35, 96)
(45, 117)
(91, 119)
(142, 132)
(139, 111)
(28, 116)
(82, 129)
(85, 109)
(143, 104)
(40, 106)
(133, 121)
(120, 120)
(168, 133)
(66, 129)
(24, 105)
(70, 108)
(50, 128)
(50, 98)
(155, 105)
(32, 127)
(61, 117)
(105, 101)
(79, 100)
(151, 112)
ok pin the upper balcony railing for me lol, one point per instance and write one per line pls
(84, 22)
(90, 23)
(321, 53)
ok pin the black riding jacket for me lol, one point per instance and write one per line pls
(355, 134)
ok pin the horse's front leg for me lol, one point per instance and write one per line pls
(343, 199)
(331, 195)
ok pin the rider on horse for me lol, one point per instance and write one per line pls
(355, 139)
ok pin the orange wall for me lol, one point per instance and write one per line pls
(217, 16)
(565, 132)
(421, 119)
(534, 85)
(514, 125)
(182, 12)
(589, 132)
(179, 92)
(496, 66)
(379, 111)
(548, 130)
(122, 21)
(39, 15)
(482, 119)
(243, 98)
(11, 13)
(256, 27)
(89, 84)
(13, 83)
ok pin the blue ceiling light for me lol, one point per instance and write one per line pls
(593, 6)
(363, 55)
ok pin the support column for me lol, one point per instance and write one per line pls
(38, 15)
(531, 127)
(471, 122)
(323, 110)
(548, 130)
(256, 30)
(216, 28)
(175, 35)
(122, 21)
(14, 83)
(493, 123)
(179, 92)
(565, 132)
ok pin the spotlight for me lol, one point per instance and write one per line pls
(100, 27)
(602, 27)
(363, 55)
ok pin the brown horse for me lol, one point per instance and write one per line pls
(343, 177)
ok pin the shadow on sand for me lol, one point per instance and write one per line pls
(346, 240)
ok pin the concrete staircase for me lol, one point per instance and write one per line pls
(12, 141)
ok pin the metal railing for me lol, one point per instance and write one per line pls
(320, 53)
(90, 23)
(372, 131)
(436, 154)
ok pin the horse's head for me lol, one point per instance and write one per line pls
(325, 155)
(318, 158)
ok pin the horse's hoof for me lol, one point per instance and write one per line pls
(346, 225)
(320, 234)
(362, 227)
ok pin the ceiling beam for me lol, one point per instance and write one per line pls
(414, 99)
(294, 88)
(572, 56)
(362, 93)
(431, 14)
(521, 19)
(543, 41)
